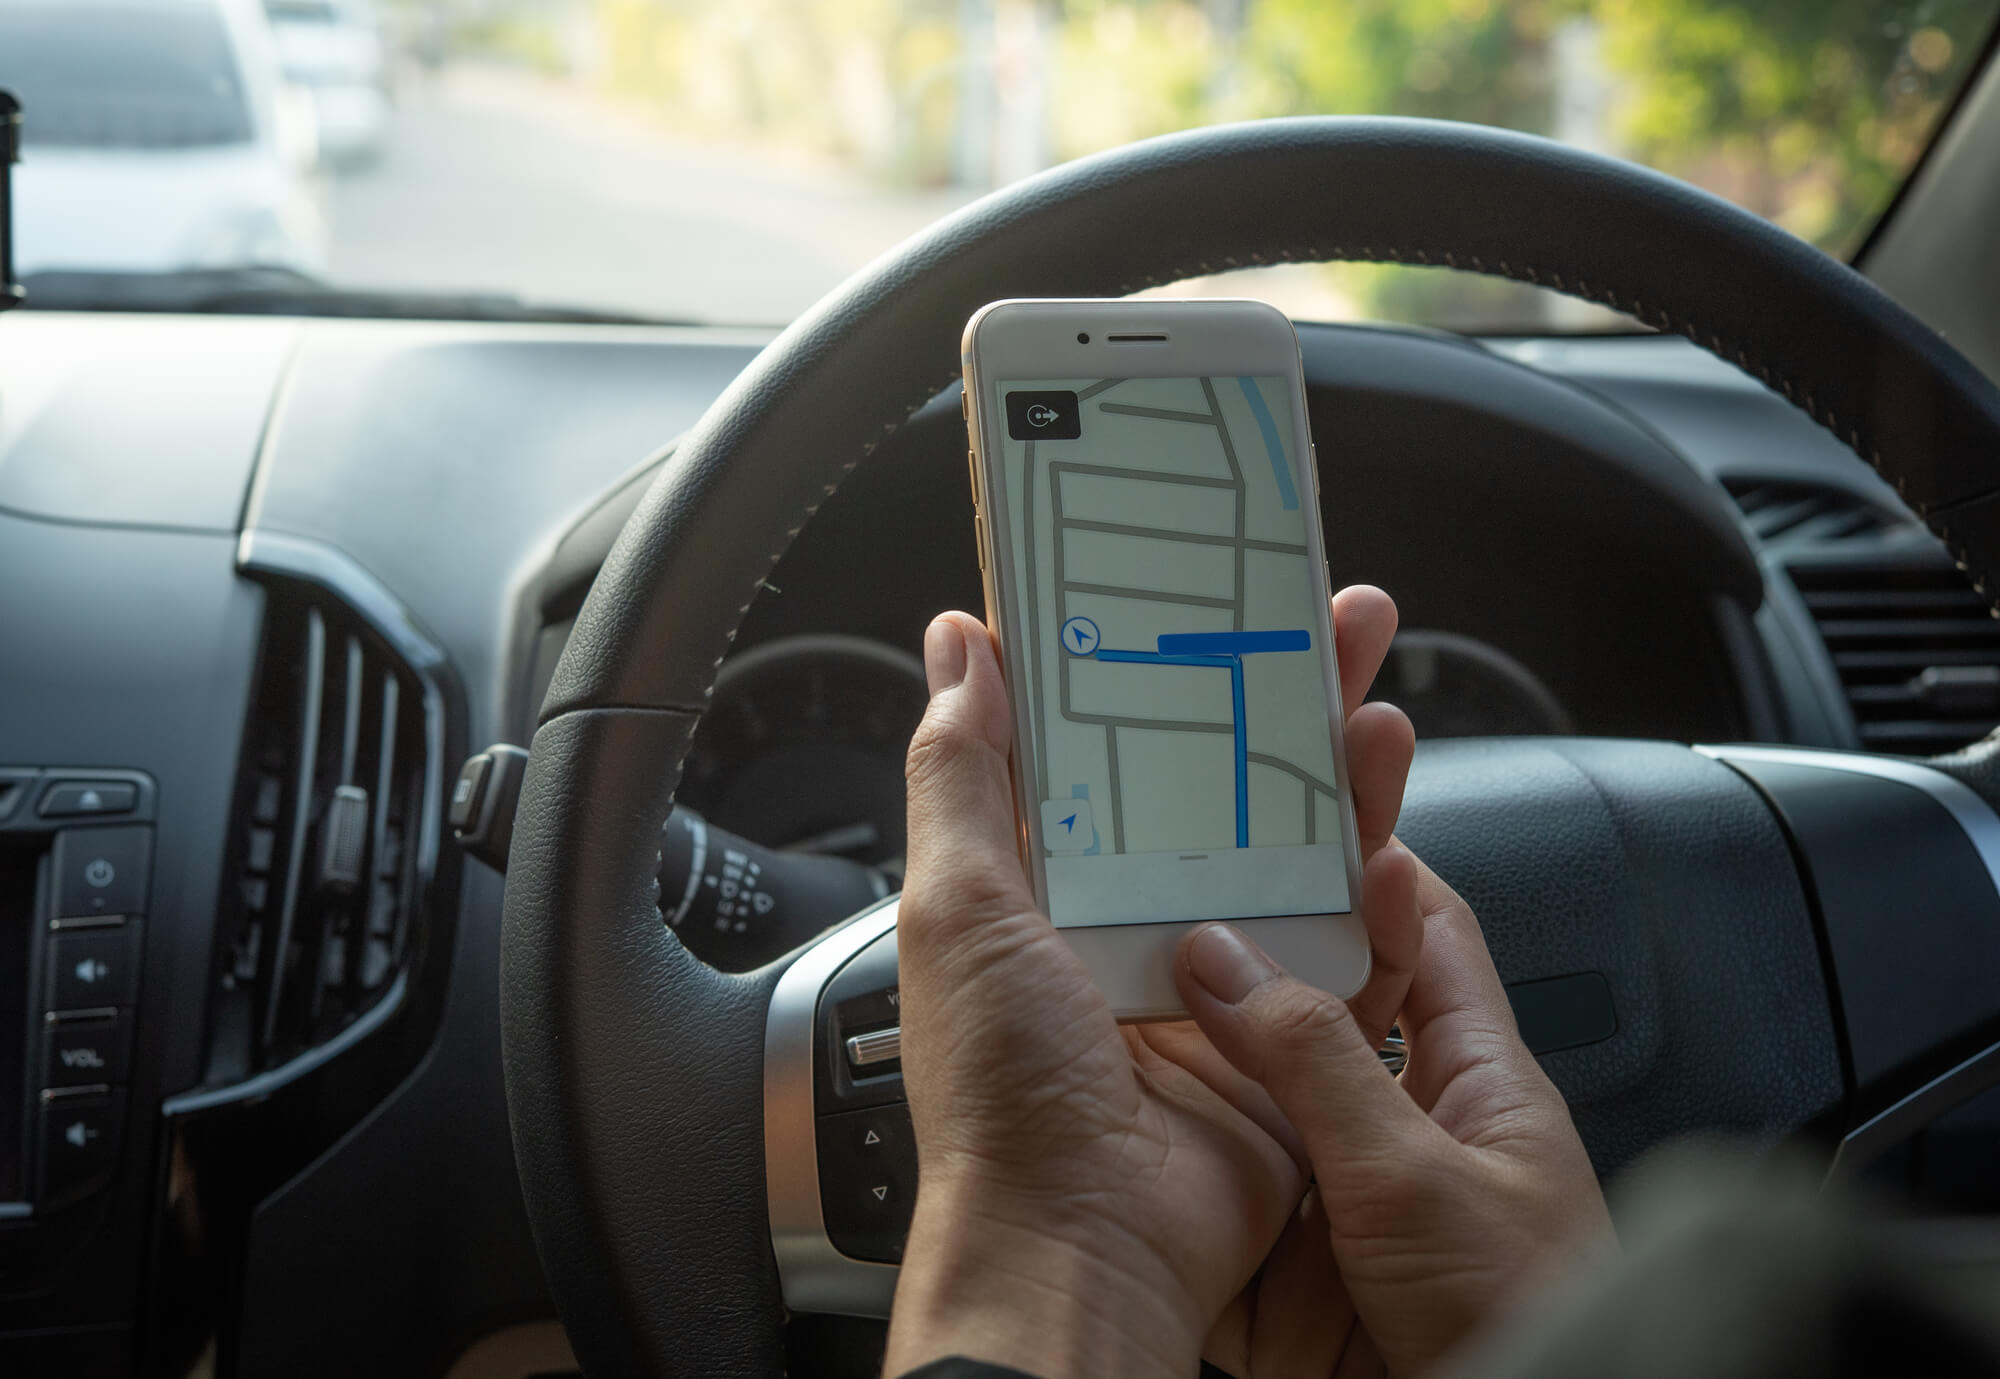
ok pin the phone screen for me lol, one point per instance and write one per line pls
(1177, 743)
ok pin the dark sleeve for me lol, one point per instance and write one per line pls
(1744, 1267)
(958, 1367)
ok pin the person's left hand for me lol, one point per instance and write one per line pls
(1090, 1198)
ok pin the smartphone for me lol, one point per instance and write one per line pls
(1148, 522)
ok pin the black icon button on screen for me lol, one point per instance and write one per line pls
(1044, 416)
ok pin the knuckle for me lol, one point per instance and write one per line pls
(1298, 1019)
(967, 900)
(934, 747)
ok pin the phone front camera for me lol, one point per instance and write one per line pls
(1083, 337)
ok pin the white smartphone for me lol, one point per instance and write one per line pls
(1149, 528)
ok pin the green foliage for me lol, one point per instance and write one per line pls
(1806, 111)
(511, 38)
(1810, 112)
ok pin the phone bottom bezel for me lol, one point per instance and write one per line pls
(1133, 964)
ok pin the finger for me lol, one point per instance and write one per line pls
(1456, 1013)
(964, 869)
(1182, 1044)
(1304, 1314)
(1361, 1359)
(1380, 746)
(1364, 623)
(1307, 1050)
(1227, 1345)
(1396, 936)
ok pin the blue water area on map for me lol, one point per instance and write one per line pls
(1288, 495)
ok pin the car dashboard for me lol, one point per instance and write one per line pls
(269, 581)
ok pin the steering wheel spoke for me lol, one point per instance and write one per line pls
(1904, 864)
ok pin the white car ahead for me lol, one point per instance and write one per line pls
(335, 50)
(156, 135)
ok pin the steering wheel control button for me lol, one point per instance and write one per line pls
(86, 1049)
(80, 1139)
(68, 798)
(869, 1051)
(868, 1181)
(860, 1001)
(483, 800)
(470, 791)
(95, 969)
(102, 871)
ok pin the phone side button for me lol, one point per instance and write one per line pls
(972, 471)
(979, 537)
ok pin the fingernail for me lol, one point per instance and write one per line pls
(944, 654)
(1226, 963)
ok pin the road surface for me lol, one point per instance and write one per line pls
(495, 181)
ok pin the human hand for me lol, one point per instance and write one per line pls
(1090, 1198)
(1438, 1197)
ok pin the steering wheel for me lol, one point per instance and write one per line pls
(1761, 940)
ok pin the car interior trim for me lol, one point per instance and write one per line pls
(1897, 1122)
(816, 1277)
(313, 562)
(265, 1083)
(1974, 815)
(1893, 1125)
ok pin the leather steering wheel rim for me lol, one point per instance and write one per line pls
(634, 1071)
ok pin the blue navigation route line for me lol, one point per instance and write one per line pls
(1221, 651)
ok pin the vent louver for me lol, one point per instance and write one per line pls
(330, 837)
(1779, 511)
(1916, 649)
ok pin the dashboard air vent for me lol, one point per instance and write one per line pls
(1783, 511)
(1916, 650)
(329, 839)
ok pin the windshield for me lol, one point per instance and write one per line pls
(731, 161)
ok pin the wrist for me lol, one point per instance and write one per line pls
(989, 1284)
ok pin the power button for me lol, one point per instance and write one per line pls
(102, 871)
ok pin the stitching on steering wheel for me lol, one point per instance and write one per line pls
(791, 535)
(1656, 317)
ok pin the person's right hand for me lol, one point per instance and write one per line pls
(1438, 1197)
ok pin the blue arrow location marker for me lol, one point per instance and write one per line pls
(1080, 637)
(1069, 824)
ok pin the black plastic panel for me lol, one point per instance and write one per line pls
(149, 422)
(1563, 1012)
(124, 649)
(1911, 922)
(443, 458)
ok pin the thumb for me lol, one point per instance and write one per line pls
(964, 866)
(1306, 1049)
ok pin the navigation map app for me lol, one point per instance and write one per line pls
(1177, 706)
